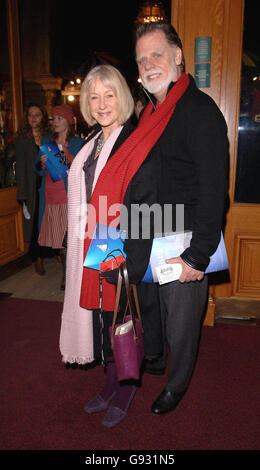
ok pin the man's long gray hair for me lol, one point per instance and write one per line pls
(169, 31)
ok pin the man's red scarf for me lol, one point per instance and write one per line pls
(114, 180)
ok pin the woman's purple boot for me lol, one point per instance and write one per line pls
(102, 400)
(119, 407)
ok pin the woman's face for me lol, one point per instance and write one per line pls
(104, 107)
(35, 117)
(59, 124)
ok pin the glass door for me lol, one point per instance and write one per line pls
(247, 186)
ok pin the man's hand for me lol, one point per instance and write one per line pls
(188, 273)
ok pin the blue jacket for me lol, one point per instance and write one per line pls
(75, 144)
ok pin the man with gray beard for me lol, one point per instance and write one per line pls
(187, 165)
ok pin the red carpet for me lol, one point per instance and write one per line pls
(42, 401)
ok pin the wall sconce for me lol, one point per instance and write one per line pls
(71, 91)
(151, 12)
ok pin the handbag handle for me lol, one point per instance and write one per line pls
(113, 256)
(129, 301)
(128, 289)
(100, 277)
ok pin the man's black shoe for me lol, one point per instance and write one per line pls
(166, 402)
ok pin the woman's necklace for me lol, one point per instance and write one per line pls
(99, 145)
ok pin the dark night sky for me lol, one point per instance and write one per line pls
(251, 27)
(93, 26)
(78, 29)
(107, 27)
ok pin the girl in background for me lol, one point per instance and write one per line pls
(34, 127)
(53, 195)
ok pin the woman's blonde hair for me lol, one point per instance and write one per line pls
(110, 77)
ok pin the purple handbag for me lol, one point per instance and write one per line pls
(127, 338)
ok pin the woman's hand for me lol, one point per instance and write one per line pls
(43, 159)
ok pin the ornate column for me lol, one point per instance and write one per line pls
(15, 61)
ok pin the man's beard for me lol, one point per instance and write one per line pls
(158, 85)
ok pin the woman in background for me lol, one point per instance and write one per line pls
(34, 127)
(53, 195)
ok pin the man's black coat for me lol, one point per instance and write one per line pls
(188, 165)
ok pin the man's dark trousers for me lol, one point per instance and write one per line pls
(183, 307)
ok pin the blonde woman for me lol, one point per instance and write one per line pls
(104, 168)
(107, 104)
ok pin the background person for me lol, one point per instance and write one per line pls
(53, 194)
(140, 101)
(34, 127)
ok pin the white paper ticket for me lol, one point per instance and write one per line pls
(168, 272)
